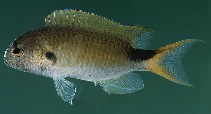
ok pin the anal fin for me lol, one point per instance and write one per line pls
(127, 83)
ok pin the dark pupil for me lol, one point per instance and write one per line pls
(51, 56)
(16, 51)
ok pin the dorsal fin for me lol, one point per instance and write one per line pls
(137, 36)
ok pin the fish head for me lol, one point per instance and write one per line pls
(28, 53)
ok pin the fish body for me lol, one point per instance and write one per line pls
(82, 54)
(85, 46)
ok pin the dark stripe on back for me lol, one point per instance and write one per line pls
(139, 54)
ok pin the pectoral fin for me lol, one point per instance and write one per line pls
(128, 83)
(65, 89)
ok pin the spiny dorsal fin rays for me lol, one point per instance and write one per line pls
(137, 36)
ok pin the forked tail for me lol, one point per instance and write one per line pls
(167, 61)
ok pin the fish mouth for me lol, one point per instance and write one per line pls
(11, 64)
(6, 62)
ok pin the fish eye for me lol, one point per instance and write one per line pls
(17, 52)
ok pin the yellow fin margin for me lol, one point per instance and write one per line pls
(167, 61)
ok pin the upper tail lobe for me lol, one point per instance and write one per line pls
(167, 61)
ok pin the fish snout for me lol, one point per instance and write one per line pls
(6, 56)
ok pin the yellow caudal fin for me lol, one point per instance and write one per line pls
(167, 61)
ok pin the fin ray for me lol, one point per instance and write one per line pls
(65, 89)
(137, 36)
(128, 83)
(167, 61)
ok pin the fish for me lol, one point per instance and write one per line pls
(89, 47)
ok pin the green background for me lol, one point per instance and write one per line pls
(172, 20)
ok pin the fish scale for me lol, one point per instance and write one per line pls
(89, 49)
